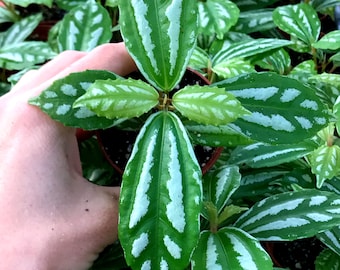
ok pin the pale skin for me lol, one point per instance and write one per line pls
(51, 217)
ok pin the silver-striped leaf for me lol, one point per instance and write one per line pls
(327, 259)
(331, 239)
(85, 27)
(323, 5)
(216, 17)
(253, 4)
(207, 105)
(160, 36)
(160, 199)
(300, 21)
(248, 48)
(124, 98)
(291, 215)
(256, 20)
(69, 4)
(58, 99)
(24, 54)
(20, 30)
(325, 163)
(283, 110)
(220, 184)
(278, 62)
(232, 68)
(222, 135)
(330, 41)
(230, 249)
(260, 155)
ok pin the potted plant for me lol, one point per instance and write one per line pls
(275, 128)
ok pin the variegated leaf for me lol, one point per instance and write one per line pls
(217, 17)
(154, 36)
(283, 110)
(119, 98)
(327, 259)
(7, 15)
(256, 20)
(300, 21)
(20, 30)
(85, 27)
(25, 3)
(57, 100)
(331, 239)
(328, 78)
(278, 62)
(260, 155)
(230, 249)
(232, 68)
(24, 54)
(222, 135)
(253, 4)
(69, 4)
(325, 163)
(330, 41)
(322, 5)
(200, 59)
(160, 200)
(291, 215)
(207, 105)
(220, 184)
(248, 48)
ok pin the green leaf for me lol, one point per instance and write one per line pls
(248, 48)
(330, 41)
(260, 155)
(160, 200)
(254, 21)
(321, 5)
(222, 135)
(25, 3)
(85, 27)
(24, 54)
(327, 259)
(331, 239)
(220, 184)
(57, 100)
(119, 98)
(199, 59)
(20, 30)
(230, 248)
(325, 163)
(217, 17)
(8, 16)
(154, 36)
(232, 68)
(254, 4)
(300, 21)
(278, 62)
(286, 109)
(207, 105)
(291, 215)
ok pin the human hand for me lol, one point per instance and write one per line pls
(50, 216)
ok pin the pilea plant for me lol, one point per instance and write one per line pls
(171, 216)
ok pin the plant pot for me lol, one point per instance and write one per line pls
(116, 144)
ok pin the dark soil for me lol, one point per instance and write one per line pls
(295, 255)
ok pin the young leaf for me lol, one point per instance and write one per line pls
(230, 248)
(300, 21)
(291, 215)
(24, 54)
(232, 68)
(330, 41)
(207, 105)
(325, 163)
(278, 62)
(327, 259)
(154, 36)
(286, 109)
(119, 98)
(85, 27)
(220, 184)
(57, 100)
(20, 30)
(259, 155)
(160, 200)
(217, 17)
